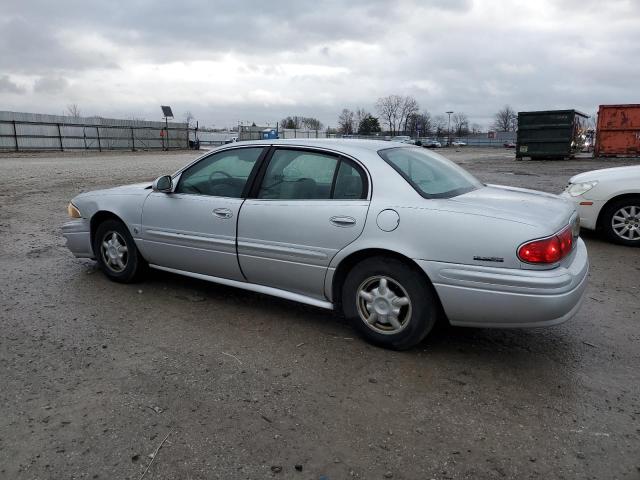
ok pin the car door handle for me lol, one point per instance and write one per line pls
(223, 213)
(343, 221)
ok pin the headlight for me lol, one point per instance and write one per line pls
(73, 211)
(575, 189)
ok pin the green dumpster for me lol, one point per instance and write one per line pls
(552, 134)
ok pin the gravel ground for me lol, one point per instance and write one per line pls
(95, 375)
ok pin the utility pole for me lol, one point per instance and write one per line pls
(449, 129)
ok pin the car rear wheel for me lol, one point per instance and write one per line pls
(389, 303)
(116, 252)
(621, 221)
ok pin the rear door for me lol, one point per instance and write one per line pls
(194, 227)
(306, 206)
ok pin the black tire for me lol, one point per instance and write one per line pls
(133, 263)
(634, 222)
(420, 315)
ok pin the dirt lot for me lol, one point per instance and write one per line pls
(94, 375)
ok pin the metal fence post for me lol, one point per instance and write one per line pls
(60, 137)
(84, 137)
(15, 136)
(133, 142)
(98, 135)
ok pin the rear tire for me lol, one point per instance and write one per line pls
(389, 303)
(116, 252)
(621, 221)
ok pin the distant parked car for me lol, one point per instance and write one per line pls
(608, 200)
(390, 234)
(509, 144)
(403, 139)
(458, 143)
(430, 143)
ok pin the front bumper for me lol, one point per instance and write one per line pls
(476, 296)
(77, 233)
(588, 213)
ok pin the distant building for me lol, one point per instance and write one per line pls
(256, 132)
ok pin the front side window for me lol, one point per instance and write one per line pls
(223, 174)
(432, 176)
(297, 175)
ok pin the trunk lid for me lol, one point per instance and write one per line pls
(548, 212)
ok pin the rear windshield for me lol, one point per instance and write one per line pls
(431, 175)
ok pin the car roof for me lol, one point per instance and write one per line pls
(348, 146)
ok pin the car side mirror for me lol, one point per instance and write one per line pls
(163, 184)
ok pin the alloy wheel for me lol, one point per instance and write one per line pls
(625, 223)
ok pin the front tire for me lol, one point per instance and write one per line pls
(621, 221)
(389, 303)
(116, 252)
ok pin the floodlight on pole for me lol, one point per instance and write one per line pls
(449, 129)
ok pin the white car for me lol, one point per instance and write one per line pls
(403, 139)
(608, 200)
(430, 143)
(458, 143)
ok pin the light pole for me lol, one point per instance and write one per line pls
(449, 129)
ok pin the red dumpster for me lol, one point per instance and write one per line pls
(618, 131)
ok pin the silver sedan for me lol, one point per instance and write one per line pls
(395, 236)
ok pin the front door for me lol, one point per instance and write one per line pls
(194, 228)
(308, 206)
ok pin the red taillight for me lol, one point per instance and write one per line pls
(548, 250)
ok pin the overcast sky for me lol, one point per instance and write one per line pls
(259, 61)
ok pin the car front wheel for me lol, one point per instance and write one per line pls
(389, 303)
(621, 221)
(116, 252)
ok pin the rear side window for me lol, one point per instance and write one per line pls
(431, 175)
(309, 175)
(350, 182)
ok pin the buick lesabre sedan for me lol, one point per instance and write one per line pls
(393, 235)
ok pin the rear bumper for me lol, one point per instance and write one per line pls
(475, 296)
(77, 233)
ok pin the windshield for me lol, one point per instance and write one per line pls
(431, 175)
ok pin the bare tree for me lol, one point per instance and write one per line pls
(408, 107)
(505, 120)
(389, 109)
(439, 125)
(291, 122)
(346, 121)
(475, 128)
(460, 124)
(73, 110)
(311, 123)
(188, 117)
(360, 115)
(298, 122)
(421, 123)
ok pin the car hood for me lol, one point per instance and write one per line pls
(135, 188)
(544, 210)
(607, 174)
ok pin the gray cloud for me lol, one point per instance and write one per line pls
(50, 85)
(231, 59)
(8, 86)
